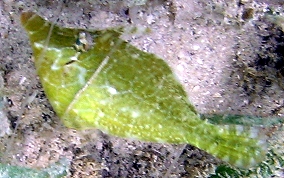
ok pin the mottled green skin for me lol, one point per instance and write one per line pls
(126, 92)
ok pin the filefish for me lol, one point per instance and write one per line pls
(96, 80)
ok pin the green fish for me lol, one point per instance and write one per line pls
(95, 80)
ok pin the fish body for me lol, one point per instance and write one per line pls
(123, 91)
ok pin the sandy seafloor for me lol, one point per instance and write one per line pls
(227, 54)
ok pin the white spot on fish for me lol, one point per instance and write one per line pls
(38, 45)
(55, 65)
(101, 114)
(56, 103)
(239, 129)
(76, 111)
(252, 161)
(147, 126)
(82, 75)
(239, 163)
(103, 102)
(226, 158)
(112, 90)
(136, 56)
(124, 109)
(135, 114)
(75, 58)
